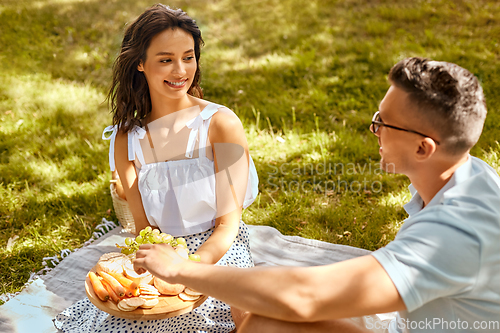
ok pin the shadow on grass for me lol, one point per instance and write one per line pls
(58, 222)
(326, 60)
(52, 149)
(340, 52)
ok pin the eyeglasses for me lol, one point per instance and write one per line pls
(377, 123)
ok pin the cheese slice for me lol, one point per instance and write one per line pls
(128, 269)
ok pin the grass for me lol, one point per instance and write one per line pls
(304, 77)
(314, 185)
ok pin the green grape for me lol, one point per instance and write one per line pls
(145, 236)
(166, 238)
(127, 251)
(181, 240)
(195, 257)
(156, 232)
(182, 252)
(173, 243)
(156, 238)
(139, 239)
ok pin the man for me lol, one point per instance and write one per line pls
(441, 273)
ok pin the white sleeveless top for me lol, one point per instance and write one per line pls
(179, 195)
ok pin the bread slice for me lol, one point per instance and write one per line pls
(192, 292)
(150, 303)
(111, 262)
(186, 297)
(124, 306)
(134, 301)
(166, 288)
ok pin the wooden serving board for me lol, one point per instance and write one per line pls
(168, 306)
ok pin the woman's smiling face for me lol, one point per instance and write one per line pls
(170, 64)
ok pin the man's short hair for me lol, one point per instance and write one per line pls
(448, 98)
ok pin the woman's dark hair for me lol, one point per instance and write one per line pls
(129, 97)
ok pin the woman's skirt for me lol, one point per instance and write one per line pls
(212, 316)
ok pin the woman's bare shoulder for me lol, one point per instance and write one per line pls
(226, 119)
(121, 146)
(226, 127)
(201, 103)
(121, 137)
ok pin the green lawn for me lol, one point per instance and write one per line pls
(305, 77)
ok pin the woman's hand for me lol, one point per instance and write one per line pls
(161, 260)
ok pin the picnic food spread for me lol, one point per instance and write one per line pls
(114, 281)
(150, 236)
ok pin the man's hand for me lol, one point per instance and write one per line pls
(160, 260)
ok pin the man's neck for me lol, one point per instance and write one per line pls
(428, 181)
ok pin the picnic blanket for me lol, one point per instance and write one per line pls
(35, 307)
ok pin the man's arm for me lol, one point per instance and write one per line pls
(350, 288)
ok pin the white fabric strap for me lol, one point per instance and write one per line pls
(195, 125)
(204, 136)
(134, 146)
(112, 137)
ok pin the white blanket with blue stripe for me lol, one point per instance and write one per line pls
(33, 309)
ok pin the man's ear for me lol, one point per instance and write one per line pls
(426, 149)
(140, 67)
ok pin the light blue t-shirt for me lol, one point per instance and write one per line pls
(445, 259)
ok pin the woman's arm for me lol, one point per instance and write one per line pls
(128, 176)
(230, 149)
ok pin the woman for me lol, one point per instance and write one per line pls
(183, 163)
